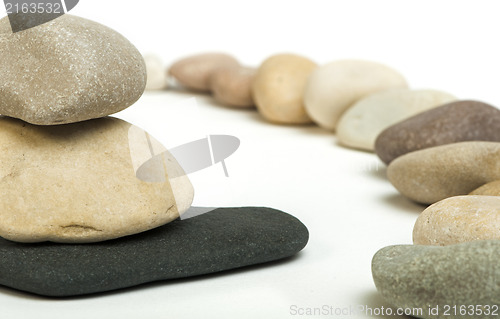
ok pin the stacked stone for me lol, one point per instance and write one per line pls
(71, 174)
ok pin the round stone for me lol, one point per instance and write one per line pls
(84, 182)
(458, 219)
(278, 88)
(490, 189)
(360, 125)
(432, 280)
(67, 70)
(157, 75)
(194, 72)
(436, 173)
(450, 123)
(334, 87)
(233, 86)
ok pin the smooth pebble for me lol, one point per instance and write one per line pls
(67, 70)
(425, 277)
(278, 88)
(78, 182)
(334, 87)
(360, 125)
(194, 72)
(458, 219)
(450, 123)
(219, 240)
(233, 86)
(157, 75)
(489, 189)
(436, 173)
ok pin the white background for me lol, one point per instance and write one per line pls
(342, 195)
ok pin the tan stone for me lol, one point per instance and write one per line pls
(194, 72)
(77, 182)
(335, 87)
(458, 219)
(67, 70)
(157, 74)
(278, 88)
(232, 86)
(436, 173)
(490, 189)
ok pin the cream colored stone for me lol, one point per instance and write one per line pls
(436, 173)
(79, 182)
(360, 125)
(336, 86)
(457, 220)
(67, 70)
(278, 88)
(233, 86)
(490, 189)
(194, 72)
(157, 73)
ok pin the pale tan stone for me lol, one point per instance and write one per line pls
(78, 182)
(458, 219)
(233, 86)
(360, 125)
(490, 189)
(67, 70)
(157, 74)
(278, 88)
(436, 173)
(335, 87)
(194, 72)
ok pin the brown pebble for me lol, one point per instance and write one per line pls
(233, 86)
(454, 122)
(194, 72)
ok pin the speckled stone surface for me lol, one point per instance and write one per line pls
(490, 189)
(80, 182)
(436, 173)
(67, 70)
(458, 219)
(427, 276)
(450, 123)
(223, 239)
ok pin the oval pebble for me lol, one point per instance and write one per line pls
(360, 125)
(426, 277)
(334, 87)
(490, 189)
(278, 88)
(79, 183)
(67, 70)
(458, 219)
(436, 173)
(157, 75)
(450, 123)
(194, 72)
(233, 86)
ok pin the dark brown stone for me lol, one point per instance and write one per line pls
(454, 122)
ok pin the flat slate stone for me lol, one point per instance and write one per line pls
(222, 239)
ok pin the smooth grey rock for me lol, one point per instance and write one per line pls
(222, 239)
(67, 70)
(424, 277)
